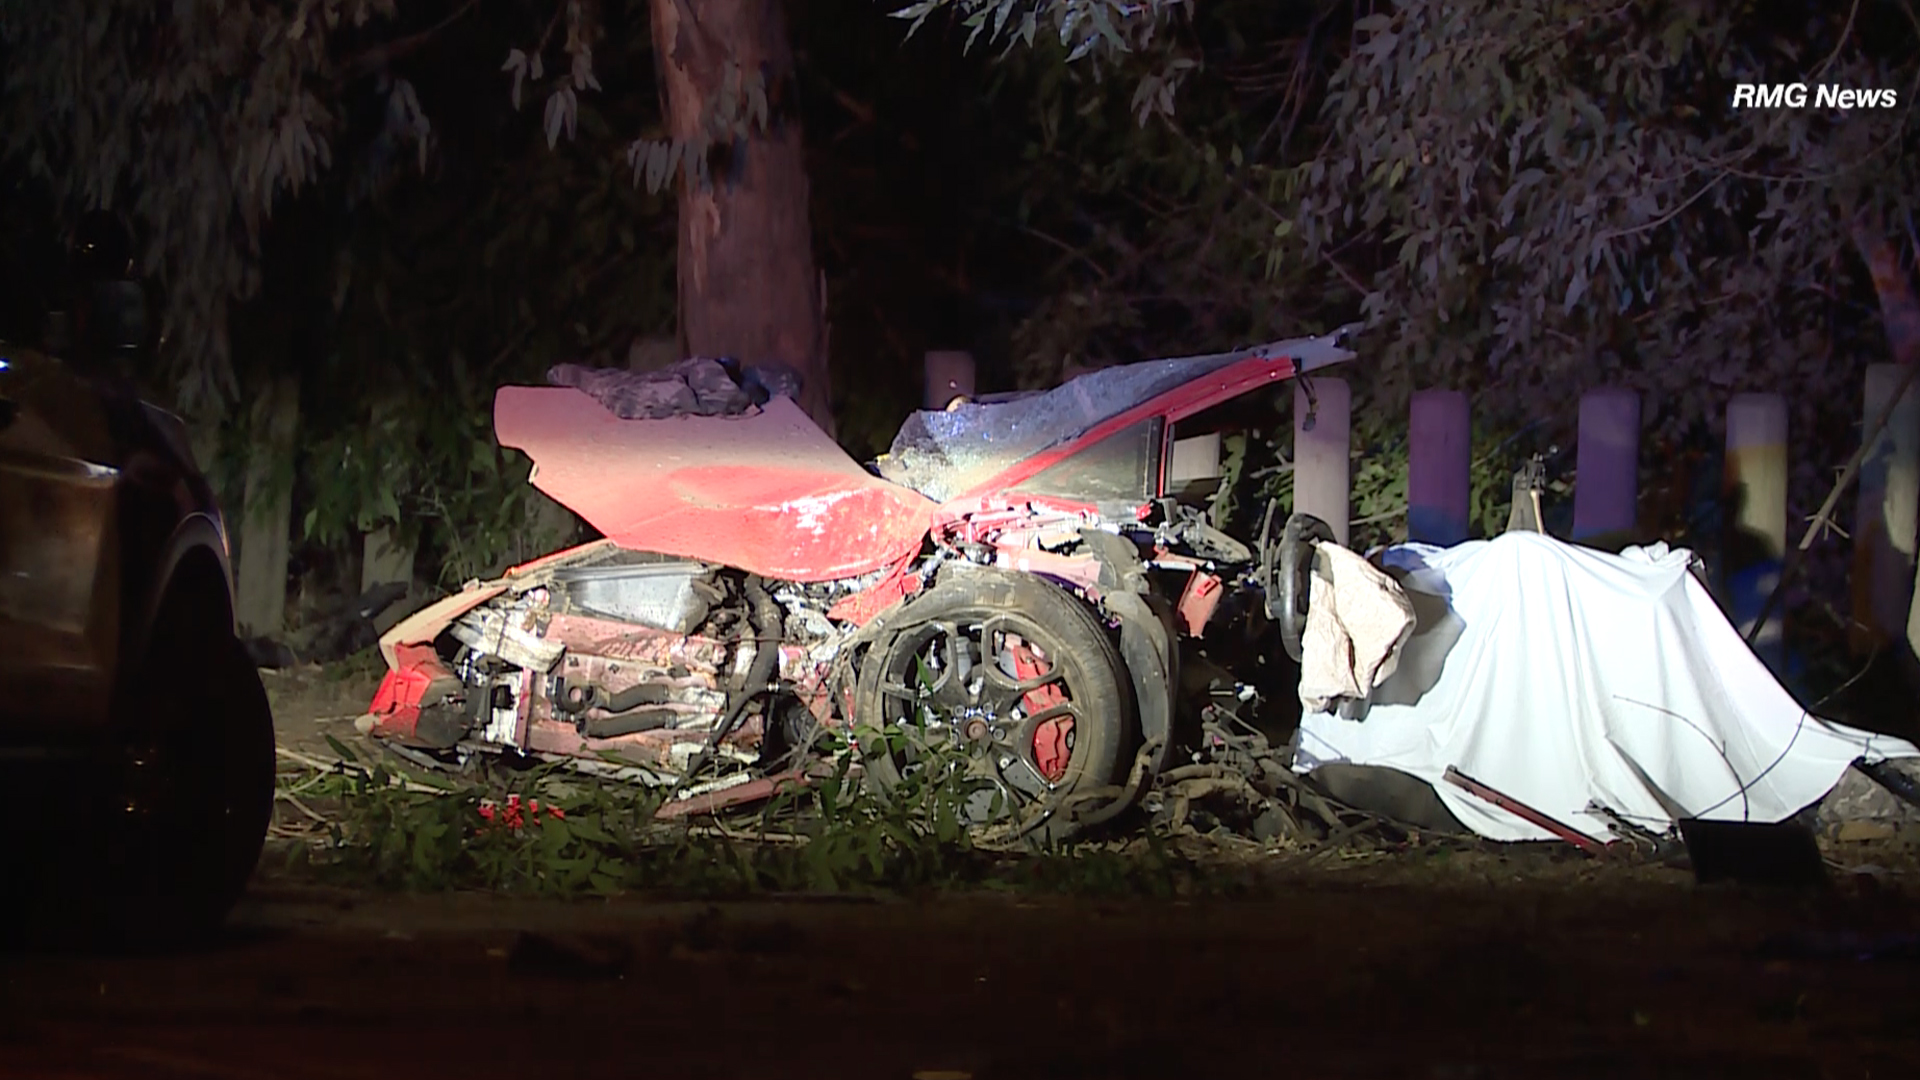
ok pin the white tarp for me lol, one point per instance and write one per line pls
(1564, 676)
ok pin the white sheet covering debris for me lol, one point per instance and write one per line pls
(1564, 676)
(1357, 619)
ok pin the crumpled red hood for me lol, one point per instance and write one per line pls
(768, 492)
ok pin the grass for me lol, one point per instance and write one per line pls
(549, 832)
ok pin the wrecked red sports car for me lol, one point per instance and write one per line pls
(1011, 583)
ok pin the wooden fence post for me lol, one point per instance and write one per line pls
(1606, 499)
(1756, 486)
(949, 374)
(1884, 527)
(1322, 456)
(1439, 440)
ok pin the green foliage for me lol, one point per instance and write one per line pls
(247, 139)
(1530, 203)
(433, 475)
(198, 118)
(518, 835)
(1081, 27)
(730, 117)
(444, 288)
(1157, 238)
(1544, 200)
(1377, 479)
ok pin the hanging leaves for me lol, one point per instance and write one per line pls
(1083, 27)
(193, 118)
(1534, 176)
(517, 66)
(563, 107)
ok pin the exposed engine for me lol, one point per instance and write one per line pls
(640, 665)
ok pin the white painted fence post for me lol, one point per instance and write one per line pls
(1439, 441)
(1756, 483)
(1322, 456)
(1606, 499)
(1194, 458)
(1913, 620)
(266, 513)
(383, 560)
(949, 374)
(1884, 528)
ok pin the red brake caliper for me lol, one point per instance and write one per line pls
(1050, 750)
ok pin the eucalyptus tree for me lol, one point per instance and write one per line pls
(200, 118)
(1536, 198)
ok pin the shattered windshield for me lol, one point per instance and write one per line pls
(943, 454)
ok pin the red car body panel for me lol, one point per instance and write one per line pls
(396, 704)
(769, 492)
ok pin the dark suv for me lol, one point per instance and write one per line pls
(131, 722)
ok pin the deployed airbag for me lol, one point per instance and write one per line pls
(1357, 620)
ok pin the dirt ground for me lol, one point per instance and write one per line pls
(311, 702)
(1475, 973)
(1467, 965)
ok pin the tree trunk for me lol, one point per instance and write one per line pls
(748, 286)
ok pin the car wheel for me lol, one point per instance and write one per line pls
(1008, 682)
(1294, 579)
(187, 817)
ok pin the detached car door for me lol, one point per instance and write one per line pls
(59, 553)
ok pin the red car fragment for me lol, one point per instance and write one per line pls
(769, 493)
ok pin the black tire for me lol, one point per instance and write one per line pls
(1294, 579)
(185, 820)
(1060, 631)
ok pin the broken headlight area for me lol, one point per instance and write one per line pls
(638, 666)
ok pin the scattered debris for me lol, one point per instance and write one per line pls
(1512, 805)
(334, 636)
(1865, 804)
(692, 387)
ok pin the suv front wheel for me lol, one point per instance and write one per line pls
(189, 790)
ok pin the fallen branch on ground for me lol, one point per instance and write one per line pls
(339, 767)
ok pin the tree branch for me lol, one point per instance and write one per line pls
(387, 52)
(1072, 253)
(1901, 313)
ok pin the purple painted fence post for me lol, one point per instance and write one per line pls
(1756, 486)
(949, 374)
(1606, 500)
(1321, 457)
(1439, 440)
(1884, 530)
